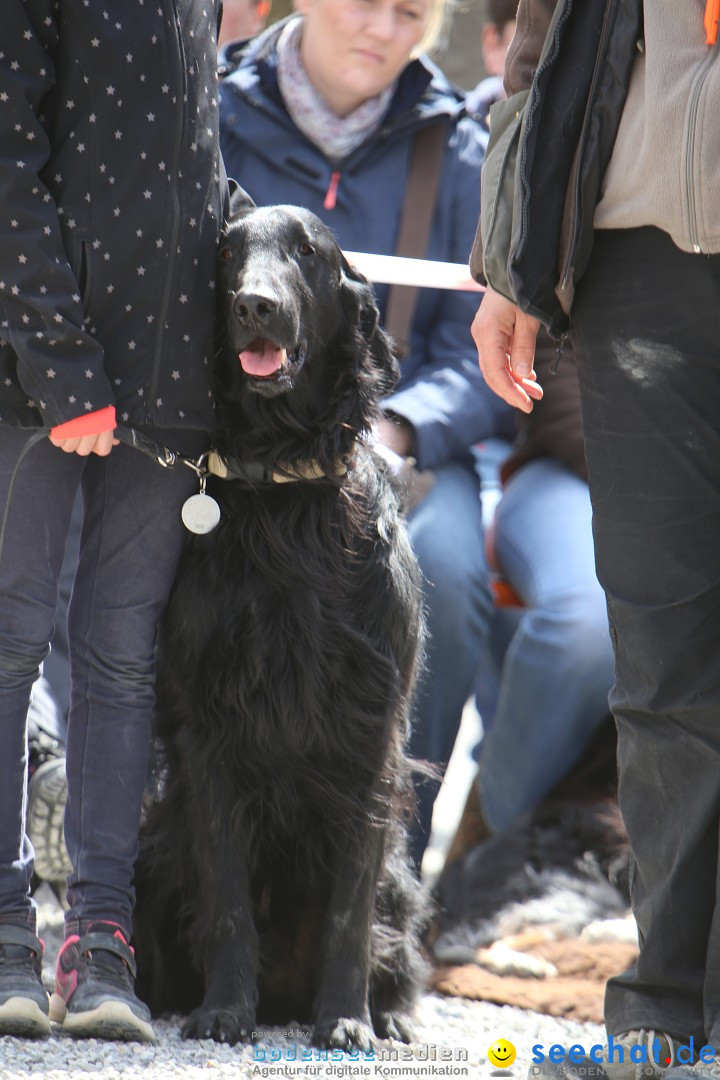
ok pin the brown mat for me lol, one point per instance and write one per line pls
(576, 992)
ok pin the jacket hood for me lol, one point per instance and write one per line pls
(423, 91)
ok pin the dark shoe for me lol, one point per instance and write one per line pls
(472, 828)
(23, 998)
(660, 1055)
(452, 943)
(47, 795)
(95, 988)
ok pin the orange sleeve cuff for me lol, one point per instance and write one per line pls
(88, 424)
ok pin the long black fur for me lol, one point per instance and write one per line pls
(273, 882)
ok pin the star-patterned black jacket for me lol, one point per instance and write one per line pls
(110, 210)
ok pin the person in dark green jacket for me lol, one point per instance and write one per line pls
(606, 226)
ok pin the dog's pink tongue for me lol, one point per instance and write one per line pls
(262, 358)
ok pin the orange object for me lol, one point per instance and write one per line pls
(87, 424)
(331, 194)
(712, 14)
(504, 595)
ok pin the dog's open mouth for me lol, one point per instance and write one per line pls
(263, 359)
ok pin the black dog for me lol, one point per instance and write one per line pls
(273, 882)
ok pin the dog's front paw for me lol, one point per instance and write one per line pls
(222, 1025)
(391, 1025)
(344, 1034)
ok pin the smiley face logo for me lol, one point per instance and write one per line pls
(501, 1053)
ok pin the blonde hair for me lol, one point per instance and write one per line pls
(437, 24)
(439, 17)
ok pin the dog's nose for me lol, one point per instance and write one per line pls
(254, 307)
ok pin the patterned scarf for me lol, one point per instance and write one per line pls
(336, 136)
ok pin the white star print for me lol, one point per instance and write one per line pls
(110, 70)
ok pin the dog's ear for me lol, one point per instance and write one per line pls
(360, 297)
(238, 202)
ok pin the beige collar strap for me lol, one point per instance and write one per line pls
(254, 472)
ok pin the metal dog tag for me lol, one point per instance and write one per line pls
(200, 513)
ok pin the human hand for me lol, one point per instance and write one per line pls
(100, 444)
(505, 339)
(397, 435)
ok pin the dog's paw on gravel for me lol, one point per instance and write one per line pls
(344, 1034)
(392, 1025)
(222, 1025)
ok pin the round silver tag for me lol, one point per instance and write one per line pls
(200, 513)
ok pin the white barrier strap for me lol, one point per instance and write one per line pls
(393, 270)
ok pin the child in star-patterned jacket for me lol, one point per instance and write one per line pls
(111, 205)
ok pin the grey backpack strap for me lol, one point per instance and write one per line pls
(414, 231)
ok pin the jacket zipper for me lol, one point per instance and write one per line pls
(387, 131)
(331, 193)
(690, 204)
(85, 274)
(174, 224)
(330, 199)
(583, 133)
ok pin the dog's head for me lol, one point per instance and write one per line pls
(297, 322)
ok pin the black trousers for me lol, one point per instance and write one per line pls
(132, 538)
(646, 328)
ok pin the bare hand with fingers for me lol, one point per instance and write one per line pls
(505, 338)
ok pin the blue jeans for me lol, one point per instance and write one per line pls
(558, 667)
(131, 542)
(446, 530)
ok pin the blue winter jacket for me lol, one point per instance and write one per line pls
(110, 210)
(441, 393)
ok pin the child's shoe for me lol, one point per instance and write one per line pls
(23, 998)
(95, 988)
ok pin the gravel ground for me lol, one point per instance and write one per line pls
(447, 1027)
(453, 1036)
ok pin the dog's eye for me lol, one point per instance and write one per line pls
(306, 249)
(225, 253)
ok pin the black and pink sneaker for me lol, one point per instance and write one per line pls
(23, 998)
(95, 988)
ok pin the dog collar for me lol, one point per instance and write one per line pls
(201, 513)
(212, 463)
(253, 472)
